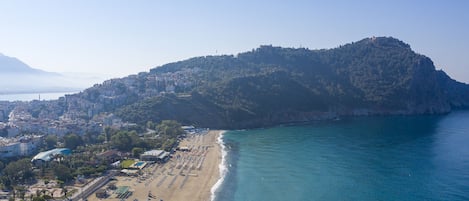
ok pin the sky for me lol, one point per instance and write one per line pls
(115, 38)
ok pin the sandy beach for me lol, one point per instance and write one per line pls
(186, 176)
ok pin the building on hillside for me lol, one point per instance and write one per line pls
(159, 156)
(19, 146)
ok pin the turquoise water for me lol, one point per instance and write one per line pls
(379, 158)
(138, 164)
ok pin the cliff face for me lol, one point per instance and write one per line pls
(273, 85)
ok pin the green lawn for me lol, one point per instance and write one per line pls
(127, 163)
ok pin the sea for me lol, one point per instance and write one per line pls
(362, 158)
(33, 96)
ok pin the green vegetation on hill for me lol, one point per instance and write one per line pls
(273, 85)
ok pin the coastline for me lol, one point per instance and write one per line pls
(222, 167)
(193, 175)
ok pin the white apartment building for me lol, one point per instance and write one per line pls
(19, 146)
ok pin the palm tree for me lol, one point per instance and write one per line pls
(14, 192)
(22, 192)
(64, 192)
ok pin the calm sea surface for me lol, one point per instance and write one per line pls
(379, 158)
(33, 96)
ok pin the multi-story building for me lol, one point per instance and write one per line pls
(19, 146)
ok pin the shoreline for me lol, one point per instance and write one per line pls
(222, 167)
(192, 175)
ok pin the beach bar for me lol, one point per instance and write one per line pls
(159, 156)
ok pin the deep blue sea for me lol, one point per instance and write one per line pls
(366, 158)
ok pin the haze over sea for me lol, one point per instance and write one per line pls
(365, 158)
(33, 96)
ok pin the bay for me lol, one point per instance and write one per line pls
(367, 158)
(33, 96)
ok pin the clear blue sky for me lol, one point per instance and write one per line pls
(117, 38)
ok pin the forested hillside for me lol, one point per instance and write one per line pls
(273, 85)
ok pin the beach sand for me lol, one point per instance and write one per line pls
(187, 176)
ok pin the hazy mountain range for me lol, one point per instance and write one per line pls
(17, 77)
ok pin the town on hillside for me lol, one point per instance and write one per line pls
(90, 111)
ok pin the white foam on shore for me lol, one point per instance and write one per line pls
(222, 167)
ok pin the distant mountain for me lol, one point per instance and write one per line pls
(18, 77)
(11, 65)
(273, 85)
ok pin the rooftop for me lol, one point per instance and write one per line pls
(49, 155)
(153, 152)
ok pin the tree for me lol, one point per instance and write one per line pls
(50, 141)
(17, 172)
(150, 125)
(122, 141)
(90, 137)
(136, 140)
(21, 191)
(64, 192)
(136, 151)
(170, 128)
(39, 198)
(107, 133)
(126, 140)
(168, 144)
(72, 141)
(2, 165)
(62, 172)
